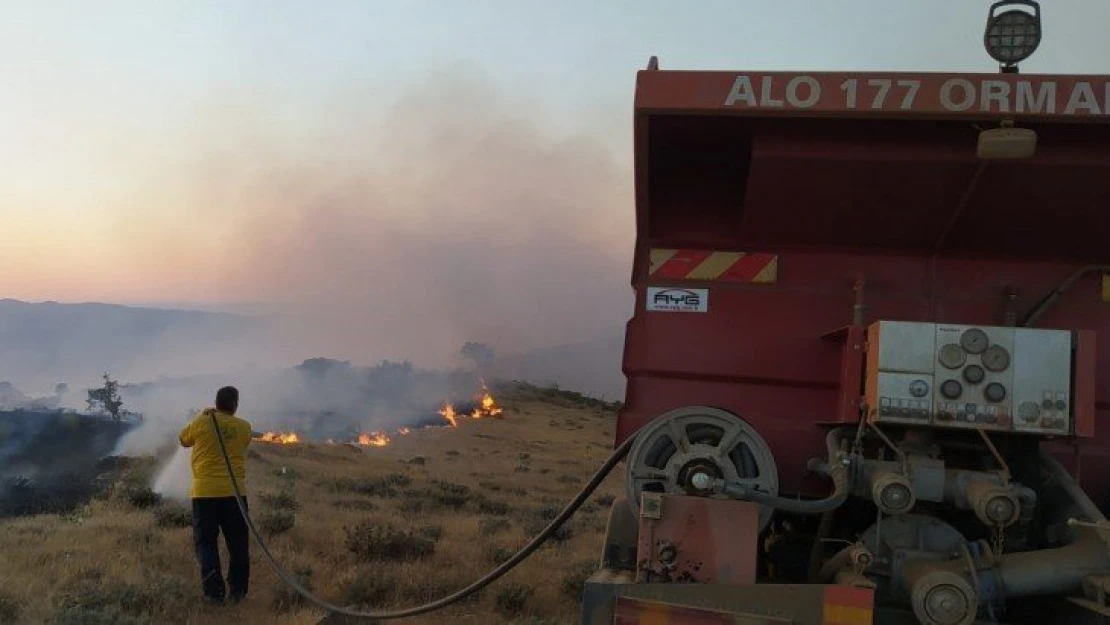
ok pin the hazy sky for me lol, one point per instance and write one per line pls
(463, 155)
(111, 108)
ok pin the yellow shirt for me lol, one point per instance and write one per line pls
(209, 471)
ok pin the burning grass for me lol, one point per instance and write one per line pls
(471, 522)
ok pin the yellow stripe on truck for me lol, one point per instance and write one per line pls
(769, 274)
(846, 615)
(659, 257)
(655, 614)
(714, 266)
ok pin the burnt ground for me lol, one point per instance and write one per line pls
(53, 461)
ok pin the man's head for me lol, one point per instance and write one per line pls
(227, 400)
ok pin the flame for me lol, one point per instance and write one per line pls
(448, 413)
(404, 431)
(488, 405)
(373, 439)
(283, 438)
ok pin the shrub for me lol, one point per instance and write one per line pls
(398, 479)
(547, 512)
(9, 609)
(452, 453)
(452, 495)
(143, 497)
(373, 487)
(490, 486)
(568, 479)
(427, 590)
(492, 527)
(412, 505)
(417, 460)
(172, 515)
(361, 505)
(533, 525)
(490, 506)
(286, 472)
(370, 587)
(89, 601)
(497, 554)
(574, 582)
(285, 599)
(284, 500)
(513, 598)
(371, 541)
(431, 532)
(275, 522)
(605, 500)
(107, 615)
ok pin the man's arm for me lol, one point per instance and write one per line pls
(187, 438)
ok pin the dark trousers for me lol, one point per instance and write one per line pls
(210, 516)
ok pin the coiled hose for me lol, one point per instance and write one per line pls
(618, 454)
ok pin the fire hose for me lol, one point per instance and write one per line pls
(618, 454)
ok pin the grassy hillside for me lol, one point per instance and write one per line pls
(380, 527)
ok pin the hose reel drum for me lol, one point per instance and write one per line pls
(696, 440)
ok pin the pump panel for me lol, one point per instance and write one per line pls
(962, 376)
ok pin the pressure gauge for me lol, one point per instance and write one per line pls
(974, 374)
(975, 341)
(994, 392)
(951, 389)
(919, 388)
(996, 358)
(1029, 411)
(952, 356)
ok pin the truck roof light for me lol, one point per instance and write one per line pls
(1013, 34)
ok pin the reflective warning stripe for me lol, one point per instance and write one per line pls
(848, 606)
(630, 611)
(686, 264)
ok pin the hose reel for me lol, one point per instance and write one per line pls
(676, 451)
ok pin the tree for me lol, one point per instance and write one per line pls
(480, 353)
(106, 398)
(320, 367)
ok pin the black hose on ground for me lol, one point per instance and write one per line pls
(618, 454)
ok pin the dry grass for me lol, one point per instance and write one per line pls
(475, 497)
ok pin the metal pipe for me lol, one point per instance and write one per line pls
(997, 456)
(1065, 481)
(1048, 300)
(824, 528)
(836, 469)
(1054, 571)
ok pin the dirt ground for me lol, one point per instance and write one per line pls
(379, 527)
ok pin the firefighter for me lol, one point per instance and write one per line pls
(213, 497)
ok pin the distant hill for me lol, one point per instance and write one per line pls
(48, 342)
(44, 343)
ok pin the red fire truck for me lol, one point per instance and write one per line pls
(862, 368)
